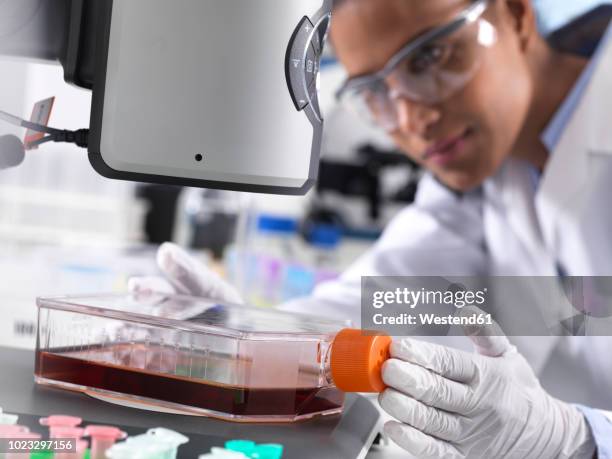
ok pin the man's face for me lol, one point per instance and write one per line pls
(464, 139)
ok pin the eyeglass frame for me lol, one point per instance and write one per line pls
(468, 16)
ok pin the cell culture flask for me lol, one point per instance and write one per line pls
(190, 355)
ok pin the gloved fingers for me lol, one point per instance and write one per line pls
(179, 268)
(149, 284)
(190, 277)
(431, 421)
(419, 444)
(445, 361)
(426, 386)
(488, 340)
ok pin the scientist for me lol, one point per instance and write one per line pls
(518, 144)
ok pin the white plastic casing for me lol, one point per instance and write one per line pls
(195, 92)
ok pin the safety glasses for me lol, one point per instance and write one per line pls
(428, 70)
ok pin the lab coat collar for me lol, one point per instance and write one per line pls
(589, 127)
(558, 124)
(588, 133)
(597, 106)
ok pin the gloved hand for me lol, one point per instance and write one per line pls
(186, 276)
(454, 404)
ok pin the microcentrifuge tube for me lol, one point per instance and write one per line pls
(8, 419)
(102, 438)
(221, 453)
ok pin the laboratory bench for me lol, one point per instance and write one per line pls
(349, 435)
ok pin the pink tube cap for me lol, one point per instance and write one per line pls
(59, 420)
(104, 432)
(66, 432)
(27, 436)
(10, 430)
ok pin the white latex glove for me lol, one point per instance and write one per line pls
(186, 276)
(454, 404)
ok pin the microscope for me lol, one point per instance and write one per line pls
(199, 93)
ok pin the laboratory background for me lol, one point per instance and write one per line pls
(66, 229)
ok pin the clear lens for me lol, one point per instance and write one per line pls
(439, 69)
(429, 74)
(372, 104)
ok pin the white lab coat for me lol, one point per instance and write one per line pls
(509, 228)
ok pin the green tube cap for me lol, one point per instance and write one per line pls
(42, 455)
(245, 447)
(268, 451)
(254, 451)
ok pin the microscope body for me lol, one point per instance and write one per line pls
(204, 93)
